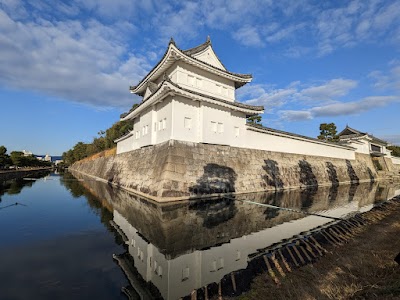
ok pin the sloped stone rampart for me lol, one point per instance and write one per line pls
(177, 170)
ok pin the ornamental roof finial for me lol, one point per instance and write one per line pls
(171, 41)
(208, 39)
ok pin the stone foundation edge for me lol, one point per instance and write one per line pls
(177, 170)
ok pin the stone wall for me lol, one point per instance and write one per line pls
(177, 170)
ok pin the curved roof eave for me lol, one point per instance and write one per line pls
(239, 79)
(168, 84)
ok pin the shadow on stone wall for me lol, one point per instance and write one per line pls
(273, 177)
(352, 174)
(371, 175)
(216, 179)
(307, 178)
(214, 212)
(332, 174)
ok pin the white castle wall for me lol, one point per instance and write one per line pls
(183, 119)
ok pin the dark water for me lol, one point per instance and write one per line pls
(59, 241)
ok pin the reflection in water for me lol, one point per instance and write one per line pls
(14, 186)
(177, 248)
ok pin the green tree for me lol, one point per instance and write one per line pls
(17, 158)
(256, 119)
(395, 150)
(3, 150)
(328, 132)
(4, 157)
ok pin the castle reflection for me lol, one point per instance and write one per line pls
(179, 247)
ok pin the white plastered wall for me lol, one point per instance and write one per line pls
(186, 121)
(360, 146)
(271, 142)
(214, 124)
(395, 160)
(125, 145)
(209, 57)
(201, 81)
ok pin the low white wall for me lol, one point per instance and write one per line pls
(396, 160)
(125, 145)
(271, 142)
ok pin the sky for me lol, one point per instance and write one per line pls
(66, 66)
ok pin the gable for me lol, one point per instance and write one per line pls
(208, 56)
(350, 131)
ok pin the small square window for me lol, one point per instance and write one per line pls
(199, 82)
(188, 123)
(213, 126)
(237, 131)
(185, 273)
(191, 80)
(220, 127)
(164, 123)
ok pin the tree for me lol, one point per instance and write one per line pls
(328, 132)
(4, 157)
(3, 150)
(395, 150)
(256, 119)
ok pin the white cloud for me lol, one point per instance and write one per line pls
(296, 92)
(339, 108)
(295, 115)
(332, 89)
(84, 62)
(258, 94)
(248, 36)
(353, 108)
(387, 80)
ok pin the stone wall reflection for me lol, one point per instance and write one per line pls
(182, 246)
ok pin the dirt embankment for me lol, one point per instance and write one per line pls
(363, 267)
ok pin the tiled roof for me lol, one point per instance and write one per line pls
(237, 104)
(295, 135)
(358, 134)
(167, 79)
(192, 51)
(198, 48)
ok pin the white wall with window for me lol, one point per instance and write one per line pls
(189, 77)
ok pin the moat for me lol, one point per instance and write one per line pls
(64, 237)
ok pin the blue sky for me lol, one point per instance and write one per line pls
(66, 66)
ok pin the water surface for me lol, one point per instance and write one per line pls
(59, 241)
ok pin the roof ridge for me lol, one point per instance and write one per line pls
(198, 48)
(293, 134)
